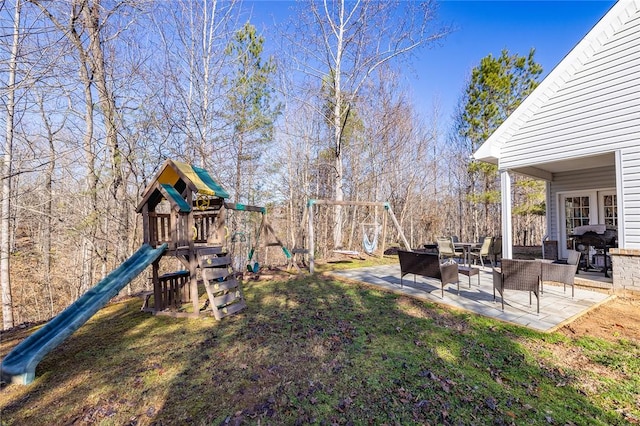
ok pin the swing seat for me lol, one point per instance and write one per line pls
(370, 246)
(253, 268)
(353, 254)
(347, 252)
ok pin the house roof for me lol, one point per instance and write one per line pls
(539, 124)
(172, 180)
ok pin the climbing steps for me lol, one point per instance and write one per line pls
(220, 281)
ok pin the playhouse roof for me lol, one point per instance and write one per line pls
(172, 180)
(199, 179)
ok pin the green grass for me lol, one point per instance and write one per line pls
(352, 262)
(319, 351)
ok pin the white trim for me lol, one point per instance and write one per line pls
(507, 233)
(595, 210)
(562, 222)
(535, 172)
(620, 198)
(547, 213)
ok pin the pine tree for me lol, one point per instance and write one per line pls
(249, 105)
(496, 88)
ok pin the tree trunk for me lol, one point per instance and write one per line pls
(48, 209)
(239, 157)
(5, 231)
(107, 102)
(89, 238)
(339, 192)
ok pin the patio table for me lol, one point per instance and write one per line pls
(466, 249)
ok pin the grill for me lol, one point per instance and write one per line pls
(599, 237)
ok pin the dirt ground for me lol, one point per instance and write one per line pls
(614, 320)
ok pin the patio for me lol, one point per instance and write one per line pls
(557, 308)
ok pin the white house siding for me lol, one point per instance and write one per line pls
(596, 110)
(573, 181)
(587, 106)
(631, 188)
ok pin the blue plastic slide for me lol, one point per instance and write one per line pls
(19, 366)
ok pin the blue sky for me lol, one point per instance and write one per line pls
(553, 28)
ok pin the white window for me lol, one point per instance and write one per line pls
(585, 208)
(577, 211)
(608, 208)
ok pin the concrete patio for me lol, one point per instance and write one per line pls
(557, 308)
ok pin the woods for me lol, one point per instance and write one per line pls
(98, 93)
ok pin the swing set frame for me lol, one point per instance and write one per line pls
(262, 237)
(310, 213)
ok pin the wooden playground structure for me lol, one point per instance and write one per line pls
(185, 208)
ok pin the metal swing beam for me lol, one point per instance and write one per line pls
(385, 205)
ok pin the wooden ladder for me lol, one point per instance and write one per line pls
(221, 282)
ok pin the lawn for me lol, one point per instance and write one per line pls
(315, 350)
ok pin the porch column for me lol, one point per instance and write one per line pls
(507, 234)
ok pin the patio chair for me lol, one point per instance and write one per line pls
(447, 249)
(523, 275)
(482, 251)
(495, 251)
(562, 271)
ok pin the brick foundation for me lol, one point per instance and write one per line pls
(626, 269)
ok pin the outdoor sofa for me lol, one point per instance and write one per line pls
(428, 265)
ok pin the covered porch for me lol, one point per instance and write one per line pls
(578, 131)
(582, 192)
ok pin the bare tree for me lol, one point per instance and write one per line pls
(188, 84)
(343, 42)
(399, 148)
(84, 23)
(73, 31)
(5, 229)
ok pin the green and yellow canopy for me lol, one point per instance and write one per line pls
(174, 177)
(200, 180)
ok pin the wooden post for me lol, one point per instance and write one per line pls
(384, 234)
(395, 222)
(157, 292)
(256, 243)
(261, 239)
(174, 234)
(217, 234)
(311, 237)
(146, 236)
(193, 259)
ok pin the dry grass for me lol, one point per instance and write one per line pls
(318, 351)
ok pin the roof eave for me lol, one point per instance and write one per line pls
(488, 153)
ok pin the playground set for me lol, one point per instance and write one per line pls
(193, 230)
(184, 216)
(370, 231)
(194, 227)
